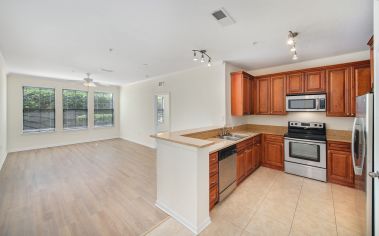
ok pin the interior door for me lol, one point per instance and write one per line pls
(162, 112)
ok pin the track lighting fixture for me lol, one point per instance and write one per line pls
(203, 54)
(194, 56)
(291, 37)
(292, 42)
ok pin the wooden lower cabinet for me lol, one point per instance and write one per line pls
(213, 179)
(241, 166)
(339, 164)
(248, 157)
(273, 151)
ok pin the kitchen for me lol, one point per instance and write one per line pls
(189, 117)
(308, 148)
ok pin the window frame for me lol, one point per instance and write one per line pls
(94, 110)
(36, 131)
(63, 111)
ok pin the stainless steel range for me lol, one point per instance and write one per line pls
(305, 150)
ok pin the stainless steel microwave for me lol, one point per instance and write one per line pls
(306, 103)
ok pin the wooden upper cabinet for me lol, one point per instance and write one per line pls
(295, 83)
(262, 96)
(241, 93)
(338, 88)
(314, 82)
(371, 45)
(361, 75)
(278, 95)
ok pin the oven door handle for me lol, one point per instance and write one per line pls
(305, 141)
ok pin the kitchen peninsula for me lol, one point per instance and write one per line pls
(184, 159)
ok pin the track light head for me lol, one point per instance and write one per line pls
(295, 57)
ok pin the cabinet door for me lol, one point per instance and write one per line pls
(340, 168)
(371, 45)
(273, 155)
(240, 93)
(262, 95)
(278, 95)
(362, 79)
(360, 84)
(314, 82)
(246, 95)
(338, 92)
(295, 83)
(240, 166)
(256, 156)
(248, 160)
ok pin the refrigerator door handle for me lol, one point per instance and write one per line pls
(358, 170)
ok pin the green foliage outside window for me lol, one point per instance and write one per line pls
(104, 109)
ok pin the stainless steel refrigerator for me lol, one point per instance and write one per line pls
(362, 156)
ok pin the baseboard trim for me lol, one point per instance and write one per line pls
(57, 145)
(194, 229)
(3, 156)
(137, 142)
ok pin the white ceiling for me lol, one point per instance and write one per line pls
(67, 38)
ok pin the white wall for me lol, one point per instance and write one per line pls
(339, 123)
(18, 141)
(197, 99)
(3, 111)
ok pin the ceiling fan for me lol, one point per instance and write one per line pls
(88, 82)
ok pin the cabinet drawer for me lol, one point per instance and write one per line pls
(273, 138)
(213, 169)
(339, 146)
(213, 196)
(213, 180)
(241, 145)
(213, 158)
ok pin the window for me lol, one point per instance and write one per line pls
(103, 109)
(75, 110)
(38, 109)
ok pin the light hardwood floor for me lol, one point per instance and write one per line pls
(97, 188)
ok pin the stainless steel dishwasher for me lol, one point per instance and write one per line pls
(227, 171)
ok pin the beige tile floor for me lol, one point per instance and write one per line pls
(272, 202)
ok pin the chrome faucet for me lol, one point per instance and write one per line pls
(224, 131)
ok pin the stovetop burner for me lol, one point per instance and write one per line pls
(306, 130)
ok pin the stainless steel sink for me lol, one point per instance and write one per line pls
(233, 137)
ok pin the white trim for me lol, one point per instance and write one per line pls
(3, 156)
(194, 229)
(138, 142)
(58, 145)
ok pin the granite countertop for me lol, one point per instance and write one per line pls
(207, 136)
(222, 143)
(181, 137)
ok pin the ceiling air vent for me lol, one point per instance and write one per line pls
(223, 17)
